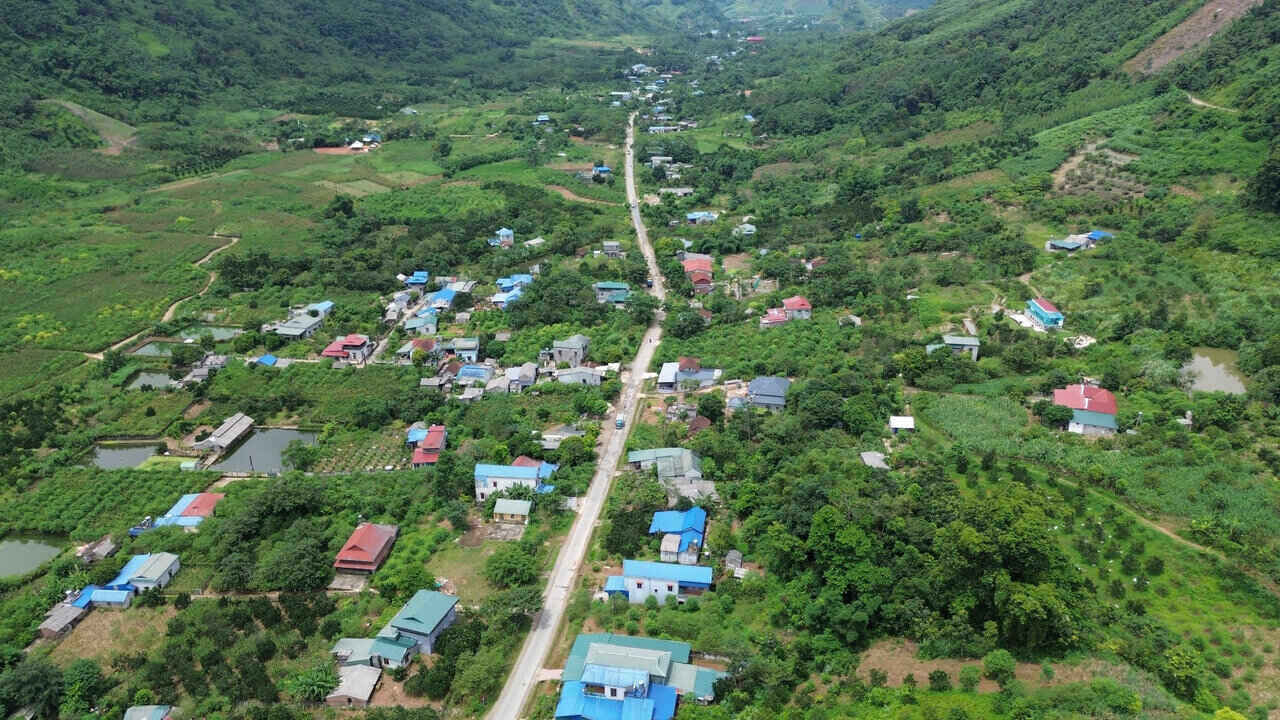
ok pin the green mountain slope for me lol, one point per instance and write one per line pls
(853, 14)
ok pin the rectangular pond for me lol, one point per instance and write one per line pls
(116, 457)
(219, 332)
(155, 349)
(19, 556)
(262, 451)
(157, 380)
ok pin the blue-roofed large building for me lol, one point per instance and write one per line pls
(1044, 314)
(682, 534)
(619, 677)
(492, 479)
(417, 280)
(443, 299)
(643, 579)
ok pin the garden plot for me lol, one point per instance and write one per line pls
(363, 452)
(1098, 171)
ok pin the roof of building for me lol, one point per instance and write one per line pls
(797, 302)
(573, 342)
(109, 597)
(356, 681)
(62, 615)
(269, 360)
(902, 422)
(147, 712)
(769, 385)
(424, 611)
(203, 504)
(1093, 419)
(575, 702)
(577, 659)
(650, 661)
(1086, 397)
(614, 676)
(1067, 244)
(435, 439)
(484, 470)
(964, 340)
(1099, 235)
(667, 373)
(1046, 306)
(366, 543)
(128, 572)
(676, 521)
(393, 647)
(697, 263)
(446, 295)
(874, 459)
(670, 461)
(611, 285)
(155, 566)
(232, 428)
(774, 316)
(733, 559)
(692, 574)
(507, 506)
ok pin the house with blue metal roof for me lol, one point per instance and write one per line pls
(1044, 314)
(643, 579)
(417, 280)
(682, 533)
(618, 677)
(493, 479)
(443, 299)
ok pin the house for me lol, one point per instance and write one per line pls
(797, 308)
(618, 677)
(773, 317)
(100, 549)
(667, 377)
(745, 230)
(436, 384)
(873, 459)
(268, 360)
(505, 237)
(471, 394)
(653, 674)
(491, 479)
(474, 374)
(466, 349)
(612, 248)
(428, 443)
(609, 291)
(206, 367)
(424, 617)
(156, 572)
(149, 712)
(901, 423)
(97, 597)
(657, 161)
(670, 463)
(423, 322)
(685, 372)
(601, 171)
(518, 379)
(227, 434)
(1094, 408)
(552, 437)
(356, 684)
(581, 375)
(304, 322)
(442, 299)
(391, 650)
(60, 619)
(1044, 314)
(514, 282)
(502, 300)
(571, 351)
(701, 217)
(701, 282)
(418, 280)
(353, 348)
(958, 344)
(682, 532)
(506, 510)
(1088, 422)
(542, 119)
(367, 547)
(642, 579)
(768, 392)
(1071, 243)
(680, 192)
(426, 346)
(190, 510)
(460, 286)
(662, 129)
(535, 242)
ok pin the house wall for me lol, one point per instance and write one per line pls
(494, 484)
(341, 701)
(970, 350)
(688, 557)
(511, 518)
(638, 589)
(165, 578)
(1089, 430)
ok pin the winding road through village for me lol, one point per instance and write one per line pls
(537, 645)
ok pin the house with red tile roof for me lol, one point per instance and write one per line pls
(1086, 397)
(690, 264)
(428, 449)
(797, 308)
(353, 347)
(203, 504)
(701, 281)
(367, 547)
(774, 317)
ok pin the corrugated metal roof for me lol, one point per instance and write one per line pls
(424, 611)
(129, 570)
(1093, 419)
(690, 574)
(483, 471)
(507, 506)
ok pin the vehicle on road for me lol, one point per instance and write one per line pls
(620, 423)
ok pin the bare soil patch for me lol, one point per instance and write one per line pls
(969, 133)
(1098, 171)
(738, 262)
(103, 633)
(193, 412)
(117, 135)
(391, 693)
(568, 194)
(1189, 35)
(339, 151)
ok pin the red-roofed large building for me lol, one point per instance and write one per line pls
(697, 263)
(203, 505)
(354, 348)
(367, 547)
(1086, 397)
(797, 308)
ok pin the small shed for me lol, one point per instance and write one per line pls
(356, 684)
(901, 423)
(60, 619)
(733, 559)
(873, 459)
(506, 510)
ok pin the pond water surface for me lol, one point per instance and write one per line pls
(19, 556)
(219, 332)
(115, 457)
(261, 452)
(1214, 369)
(154, 379)
(155, 349)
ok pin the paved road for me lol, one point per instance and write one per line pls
(528, 665)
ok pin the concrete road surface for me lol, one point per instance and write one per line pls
(537, 645)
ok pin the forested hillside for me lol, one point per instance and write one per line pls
(852, 14)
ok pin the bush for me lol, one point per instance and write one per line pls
(999, 666)
(970, 675)
(878, 677)
(939, 681)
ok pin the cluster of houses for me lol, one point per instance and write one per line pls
(413, 630)
(678, 469)
(793, 308)
(140, 573)
(458, 365)
(1082, 241)
(1093, 409)
(621, 677)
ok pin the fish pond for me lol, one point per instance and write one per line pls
(117, 457)
(263, 451)
(19, 556)
(1214, 370)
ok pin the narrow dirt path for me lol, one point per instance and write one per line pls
(568, 194)
(173, 307)
(1025, 279)
(1201, 103)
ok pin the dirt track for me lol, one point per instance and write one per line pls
(1189, 35)
(568, 194)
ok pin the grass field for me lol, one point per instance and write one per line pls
(102, 632)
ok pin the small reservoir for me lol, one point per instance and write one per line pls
(1214, 370)
(19, 556)
(262, 451)
(117, 457)
(157, 380)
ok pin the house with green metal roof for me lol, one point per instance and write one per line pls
(1089, 422)
(620, 677)
(381, 651)
(424, 617)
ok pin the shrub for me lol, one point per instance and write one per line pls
(939, 681)
(970, 675)
(999, 665)
(878, 677)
